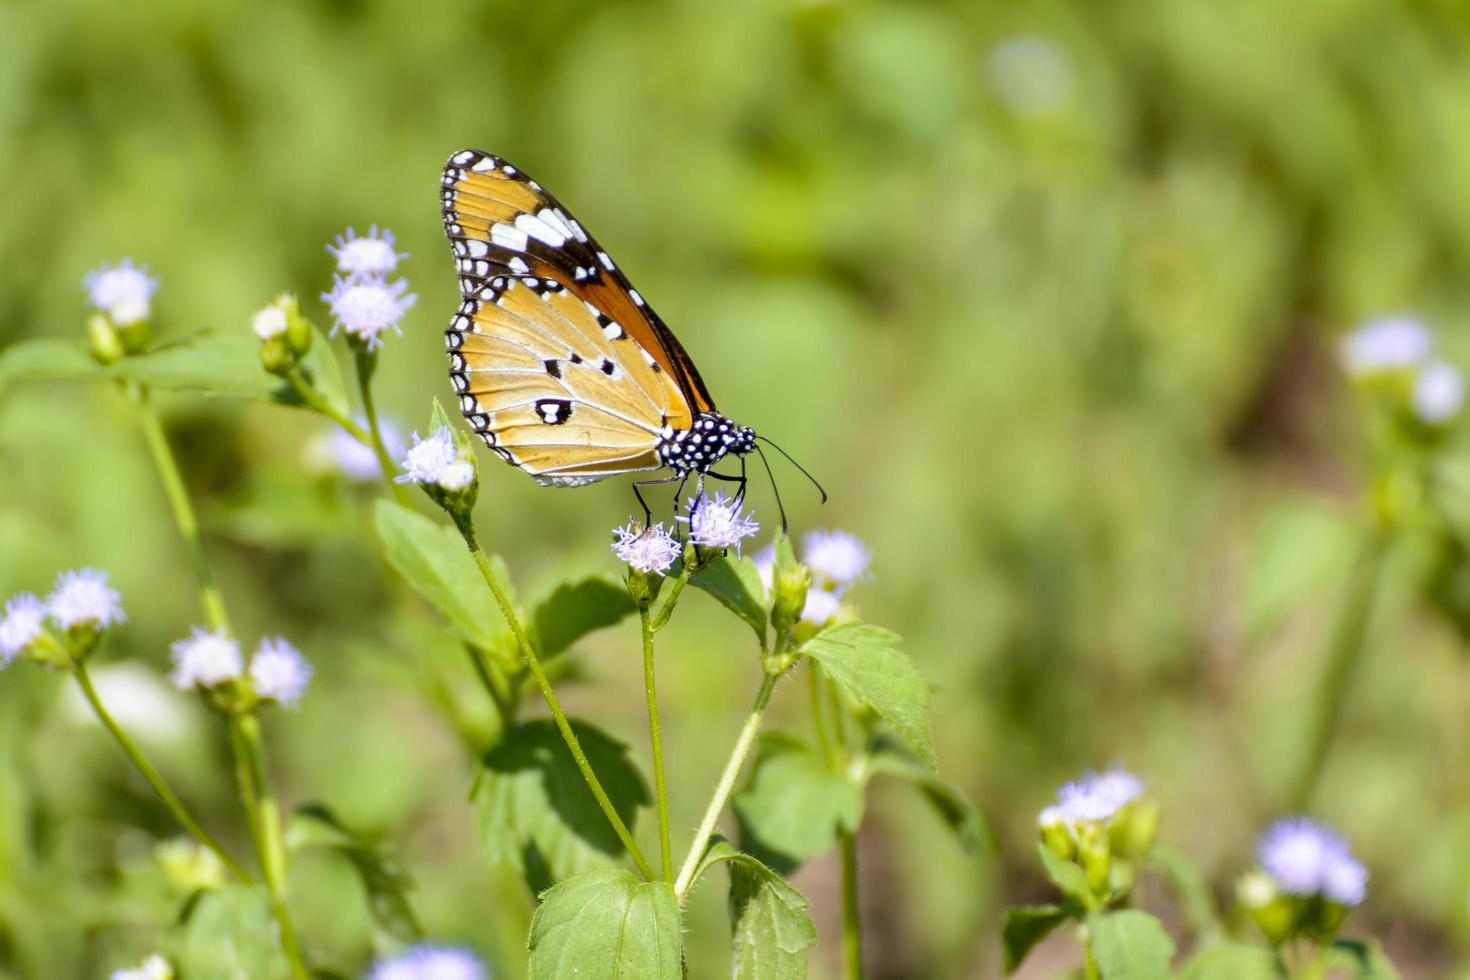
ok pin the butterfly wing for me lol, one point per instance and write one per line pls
(500, 222)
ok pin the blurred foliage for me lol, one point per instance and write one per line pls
(1043, 292)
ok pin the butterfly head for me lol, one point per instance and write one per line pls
(710, 439)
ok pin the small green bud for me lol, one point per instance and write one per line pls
(1273, 913)
(1134, 828)
(274, 356)
(643, 587)
(188, 866)
(791, 585)
(135, 335)
(1056, 835)
(1095, 855)
(107, 346)
(298, 328)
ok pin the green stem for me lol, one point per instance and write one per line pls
(265, 819)
(183, 510)
(145, 768)
(726, 784)
(852, 926)
(533, 663)
(314, 400)
(367, 362)
(1343, 656)
(672, 599)
(819, 714)
(655, 736)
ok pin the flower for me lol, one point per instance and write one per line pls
(370, 255)
(1052, 816)
(339, 451)
(765, 566)
(821, 606)
(82, 598)
(1439, 393)
(437, 460)
(1098, 796)
(22, 625)
(205, 659)
(835, 556)
(1306, 858)
(429, 962)
(122, 293)
(716, 522)
(367, 307)
(154, 967)
(1387, 344)
(649, 549)
(270, 322)
(279, 672)
(136, 699)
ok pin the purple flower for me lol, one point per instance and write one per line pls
(370, 255)
(1098, 796)
(650, 549)
(1306, 858)
(820, 606)
(1439, 393)
(23, 623)
(123, 293)
(83, 597)
(368, 307)
(1386, 344)
(205, 660)
(279, 672)
(716, 522)
(836, 556)
(428, 962)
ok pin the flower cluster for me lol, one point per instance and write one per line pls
(81, 603)
(1305, 859)
(646, 549)
(429, 962)
(365, 302)
(1097, 797)
(209, 659)
(1400, 348)
(714, 522)
(1103, 823)
(438, 461)
(124, 293)
(837, 560)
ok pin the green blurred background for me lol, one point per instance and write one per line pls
(1045, 293)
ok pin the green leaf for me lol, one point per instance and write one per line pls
(383, 878)
(769, 926)
(737, 585)
(578, 608)
(866, 663)
(1025, 926)
(1364, 959)
(433, 558)
(1130, 945)
(1232, 962)
(607, 925)
(795, 804)
(1066, 875)
(1192, 892)
(974, 831)
(226, 935)
(48, 359)
(535, 810)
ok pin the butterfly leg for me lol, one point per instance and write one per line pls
(648, 514)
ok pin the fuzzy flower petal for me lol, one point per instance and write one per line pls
(154, 967)
(427, 962)
(835, 556)
(1439, 393)
(1301, 855)
(368, 307)
(269, 322)
(436, 460)
(1388, 344)
(1098, 796)
(1346, 881)
(716, 522)
(205, 660)
(820, 607)
(24, 620)
(279, 672)
(124, 293)
(83, 597)
(647, 549)
(370, 255)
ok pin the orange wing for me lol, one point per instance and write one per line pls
(500, 222)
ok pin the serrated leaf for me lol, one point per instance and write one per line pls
(1069, 877)
(1232, 962)
(384, 880)
(1130, 945)
(575, 609)
(770, 928)
(970, 826)
(866, 663)
(1025, 926)
(1364, 959)
(737, 586)
(226, 935)
(432, 557)
(794, 804)
(535, 811)
(606, 925)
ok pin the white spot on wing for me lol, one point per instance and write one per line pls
(540, 230)
(507, 237)
(556, 219)
(483, 165)
(518, 264)
(606, 262)
(638, 300)
(477, 248)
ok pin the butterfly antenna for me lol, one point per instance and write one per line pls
(797, 465)
(774, 489)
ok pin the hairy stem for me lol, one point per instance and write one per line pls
(265, 820)
(1343, 656)
(726, 784)
(533, 663)
(852, 928)
(145, 768)
(655, 737)
(367, 363)
(183, 510)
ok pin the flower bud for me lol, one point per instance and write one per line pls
(1134, 827)
(1095, 855)
(135, 335)
(188, 866)
(1055, 834)
(274, 355)
(792, 582)
(107, 346)
(643, 587)
(298, 328)
(1272, 912)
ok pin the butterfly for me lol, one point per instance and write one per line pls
(560, 365)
